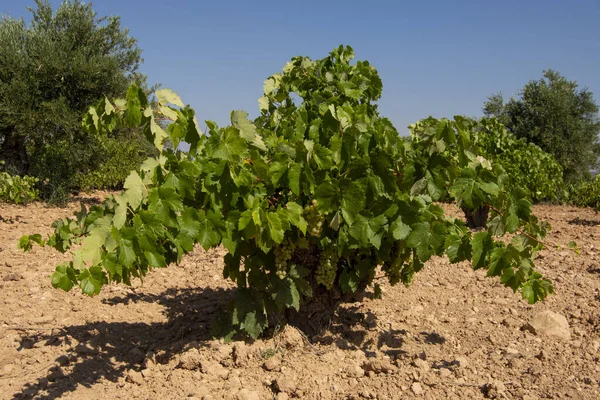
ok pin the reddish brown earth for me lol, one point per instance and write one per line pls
(453, 334)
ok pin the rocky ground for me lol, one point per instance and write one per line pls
(454, 334)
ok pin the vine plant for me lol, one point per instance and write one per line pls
(316, 193)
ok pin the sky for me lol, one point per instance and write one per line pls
(438, 58)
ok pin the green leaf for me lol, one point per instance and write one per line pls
(64, 277)
(134, 112)
(135, 191)
(399, 229)
(155, 260)
(208, 237)
(166, 96)
(239, 119)
(482, 245)
(275, 229)
(91, 280)
(231, 146)
(295, 212)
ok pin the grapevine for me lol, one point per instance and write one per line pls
(318, 190)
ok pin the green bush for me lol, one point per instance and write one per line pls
(585, 193)
(310, 200)
(116, 159)
(526, 165)
(17, 189)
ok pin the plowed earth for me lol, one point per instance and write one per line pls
(453, 334)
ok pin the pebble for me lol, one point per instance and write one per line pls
(136, 377)
(272, 364)
(550, 324)
(416, 388)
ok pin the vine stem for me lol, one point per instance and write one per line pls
(522, 232)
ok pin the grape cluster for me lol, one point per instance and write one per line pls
(314, 219)
(327, 268)
(283, 253)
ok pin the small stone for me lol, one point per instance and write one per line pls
(355, 371)
(285, 384)
(136, 377)
(512, 353)
(291, 338)
(494, 390)
(246, 394)
(272, 364)
(240, 354)
(461, 361)
(550, 324)
(7, 369)
(510, 322)
(595, 346)
(422, 365)
(146, 373)
(190, 360)
(416, 388)
(377, 366)
(445, 373)
(11, 277)
(282, 396)
(137, 354)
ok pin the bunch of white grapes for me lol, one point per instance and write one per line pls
(327, 268)
(314, 219)
(283, 254)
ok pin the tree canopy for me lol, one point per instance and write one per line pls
(556, 115)
(51, 71)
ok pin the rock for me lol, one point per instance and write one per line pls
(377, 366)
(7, 369)
(285, 384)
(190, 360)
(246, 394)
(11, 277)
(136, 377)
(510, 322)
(355, 371)
(272, 364)
(510, 353)
(595, 346)
(550, 324)
(494, 390)
(214, 368)
(137, 354)
(422, 365)
(445, 373)
(461, 361)
(416, 388)
(291, 338)
(240, 354)
(282, 396)
(149, 360)
(223, 353)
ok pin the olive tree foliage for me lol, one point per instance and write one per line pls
(556, 115)
(51, 70)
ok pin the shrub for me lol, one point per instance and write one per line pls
(17, 189)
(585, 193)
(309, 200)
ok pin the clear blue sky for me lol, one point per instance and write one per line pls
(437, 58)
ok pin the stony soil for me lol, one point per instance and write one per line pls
(453, 334)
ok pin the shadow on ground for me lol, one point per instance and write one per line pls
(583, 222)
(107, 350)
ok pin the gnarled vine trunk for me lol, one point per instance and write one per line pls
(476, 218)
